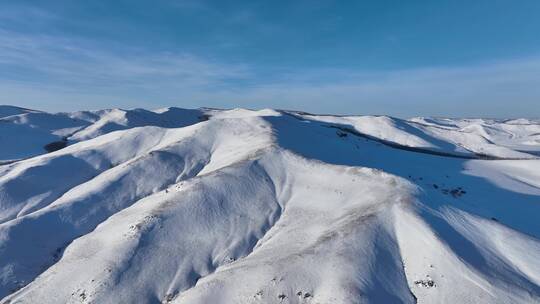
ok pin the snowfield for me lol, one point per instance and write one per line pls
(241, 206)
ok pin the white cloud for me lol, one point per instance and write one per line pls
(58, 60)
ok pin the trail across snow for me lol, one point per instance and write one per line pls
(241, 206)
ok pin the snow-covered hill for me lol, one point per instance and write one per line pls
(241, 206)
(27, 133)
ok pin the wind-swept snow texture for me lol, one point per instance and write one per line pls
(240, 206)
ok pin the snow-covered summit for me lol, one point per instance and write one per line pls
(245, 206)
(7, 110)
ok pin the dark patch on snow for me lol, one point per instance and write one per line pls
(170, 297)
(259, 294)
(55, 145)
(456, 192)
(305, 295)
(341, 134)
(428, 283)
(58, 253)
(204, 117)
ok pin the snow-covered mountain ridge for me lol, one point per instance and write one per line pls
(242, 206)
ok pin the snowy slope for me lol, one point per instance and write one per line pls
(6, 110)
(241, 206)
(25, 133)
(518, 139)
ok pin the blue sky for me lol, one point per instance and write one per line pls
(401, 58)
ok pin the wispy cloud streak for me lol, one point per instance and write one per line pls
(39, 68)
(80, 63)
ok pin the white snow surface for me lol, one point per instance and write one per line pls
(244, 206)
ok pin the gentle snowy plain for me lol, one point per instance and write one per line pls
(241, 206)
